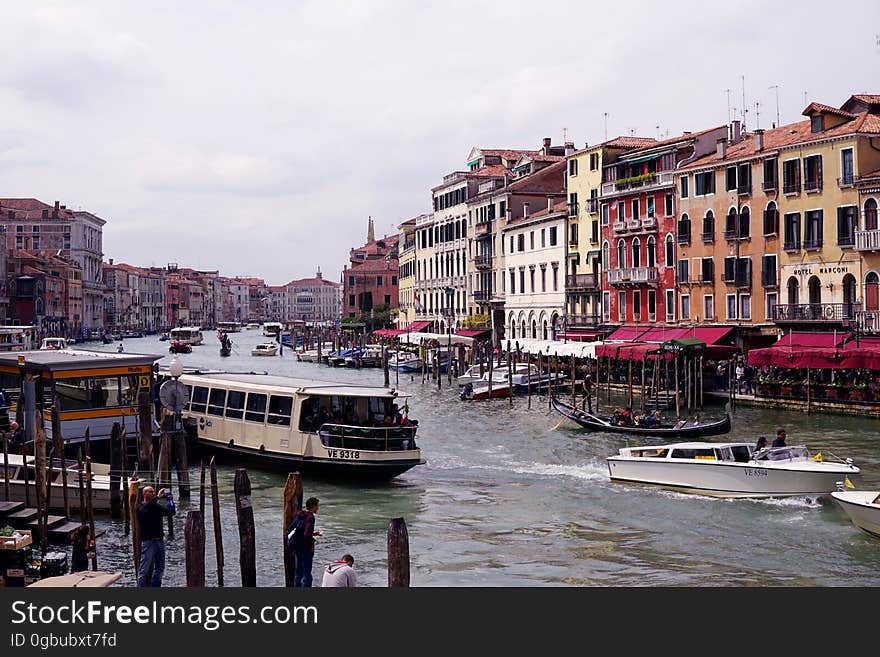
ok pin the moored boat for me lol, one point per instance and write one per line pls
(730, 469)
(693, 428)
(862, 507)
(265, 349)
(404, 361)
(54, 343)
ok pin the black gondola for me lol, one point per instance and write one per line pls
(680, 429)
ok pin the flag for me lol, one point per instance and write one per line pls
(818, 457)
(848, 483)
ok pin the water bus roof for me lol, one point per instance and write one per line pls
(72, 359)
(305, 386)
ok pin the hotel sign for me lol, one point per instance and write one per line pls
(828, 269)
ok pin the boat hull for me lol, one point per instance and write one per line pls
(687, 429)
(862, 512)
(728, 479)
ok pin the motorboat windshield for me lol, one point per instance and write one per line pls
(794, 453)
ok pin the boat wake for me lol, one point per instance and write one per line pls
(588, 471)
(780, 502)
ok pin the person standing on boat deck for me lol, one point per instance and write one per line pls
(588, 390)
(340, 573)
(149, 518)
(780, 439)
(739, 377)
(303, 556)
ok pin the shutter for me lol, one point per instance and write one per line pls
(842, 232)
(729, 264)
(820, 222)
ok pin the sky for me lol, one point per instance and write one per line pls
(257, 138)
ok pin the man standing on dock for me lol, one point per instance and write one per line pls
(149, 519)
(303, 543)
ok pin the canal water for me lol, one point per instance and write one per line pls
(510, 496)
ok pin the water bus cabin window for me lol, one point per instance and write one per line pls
(199, 401)
(235, 404)
(216, 401)
(101, 392)
(279, 409)
(255, 411)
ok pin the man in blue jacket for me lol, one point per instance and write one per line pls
(304, 548)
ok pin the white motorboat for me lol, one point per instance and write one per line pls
(730, 469)
(54, 343)
(265, 349)
(404, 361)
(251, 326)
(862, 507)
(472, 374)
(22, 487)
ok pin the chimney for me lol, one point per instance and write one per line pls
(549, 205)
(318, 275)
(45, 213)
(721, 146)
(57, 204)
(525, 210)
(759, 139)
(547, 145)
(111, 261)
(735, 130)
(63, 207)
(569, 147)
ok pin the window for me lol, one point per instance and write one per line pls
(652, 305)
(709, 227)
(235, 404)
(870, 214)
(743, 272)
(684, 230)
(685, 307)
(621, 211)
(544, 235)
(199, 399)
(708, 306)
(606, 256)
(683, 270)
(553, 236)
(816, 123)
(636, 253)
(512, 250)
(771, 219)
(729, 269)
(745, 217)
(707, 269)
(520, 242)
(637, 306)
(522, 281)
(387, 299)
(594, 161)
(731, 306)
(684, 186)
(621, 254)
(532, 280)
(792, 231)
(216, 401)
(813, 173)
(670, 251)
(847, 222)
(555, 278)
(813, 229)
(512, 281)
(635, 209)
(731, 179)
(770, 175)
(532, 240)
(745, 306)
(606, 306)
(605, 214)
(652, 252)
(572, 167)
(394, 280)
(36, 242)
(704, 183)
(279, 409)
(768, 270)
(846, 167)
(670, 305)
(650, 206)
(544, 279)
(621, 307)
(255, 411)
(791, 177)
(379, 281)
(668, 208)
(770, 301)
(744, 179)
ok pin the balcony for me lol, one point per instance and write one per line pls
(634, 224)
(814, 185)
(846, 241)
(593, 206)
(813, 244)
(744, 189)
(483, 261)
(573, 240)
(816, 312)
(868, 240)
(632, 276)
(846, 181)
(482, 296)
(583, 320)
(649, 222)
(638, 183)
(575, 282)
(619, 226)
(791, 245)
(573, 209)
(769, 185)
(482, 229)
(708, 236)
(683, 237)
(743, 281)
(791, 187)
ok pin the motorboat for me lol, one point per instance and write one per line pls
(265, 349)
(164, 337)
(405, 361)
(251, 326)
(640, 426)
(54, 343)
(730, 469)
(369, 356)
(472, 374)
(189, 334)
(481, 390)
(180, 347)
(862, 507)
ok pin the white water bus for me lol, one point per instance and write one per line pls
(301, 424)
(229, 327)
(272, 329)
(191, 335)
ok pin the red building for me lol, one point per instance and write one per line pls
(639, 228)
(371, 279)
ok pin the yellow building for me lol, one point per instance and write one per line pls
(830, 255)
(586, 216)
(406, 278)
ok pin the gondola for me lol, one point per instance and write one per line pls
(680, 429)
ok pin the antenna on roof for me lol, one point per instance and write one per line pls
(776, 87)
(606, 126)
(564, 135)
(729, 117)
(745, 111)
(805, 99)
(757, 114)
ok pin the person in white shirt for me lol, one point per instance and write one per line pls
(340, 573)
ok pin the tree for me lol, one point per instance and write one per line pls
(476, 321)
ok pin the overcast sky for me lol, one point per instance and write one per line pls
(256, 138)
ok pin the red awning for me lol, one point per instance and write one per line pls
(627, 350)
(472, 333)
(388, 333)
(628, 333)
(664, 333)
(795, 339)
(823, 358)
(577, 337)
(415, 327)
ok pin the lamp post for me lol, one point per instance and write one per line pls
(175, 368)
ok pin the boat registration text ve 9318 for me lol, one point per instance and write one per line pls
(343, 454)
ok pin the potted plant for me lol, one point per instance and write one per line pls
(786, 388)
(832, 391)
(859, 392)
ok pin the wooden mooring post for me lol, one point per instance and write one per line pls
(398, 554)
(115, 469)
(6, 464)
(81, 485)
(145, 434)
(58, 439)
(292, 502)
(40, 480)
(194, 548)
(91, 508)
(133, 494)
(247, 556)
(509, 375)
(218, 533)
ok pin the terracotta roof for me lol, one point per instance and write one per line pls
(543, 212)
(379, 265)
(870, 99)
(506, 153)
(496, 170)
(313, 281)
(549, 180)
(788, 135)
(812, 108)
(629, 142)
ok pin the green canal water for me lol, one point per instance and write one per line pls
(511, 497)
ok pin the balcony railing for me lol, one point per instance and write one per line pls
(813, 244)
(684, 238)
(583, 320)
(816, 312)
(483, 260)
(593, 206)
(813, 185)
(846, 241)
(483, 228)
(744, 189)
(573, 240)
(649, 222)
(708, 237)
(619, 226)
(634, 275)
(769, 185)
(791, 187)
(868, 240)
(482, 295)
(792, 245)
(846, 181)
(581, 282)
(868, 321)
(634, 224)
(573, 209)
(638, 182)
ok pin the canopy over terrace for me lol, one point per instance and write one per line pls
(442, 338)
(716, 341)
(554, 347)
(826, 351)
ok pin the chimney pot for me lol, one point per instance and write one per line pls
(547, 145)
(111, 261)
(759, 139)
(721, 146)
(549, 205)
(735, 130)
(525, 209)
(57, 203)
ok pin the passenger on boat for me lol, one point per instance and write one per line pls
(761, 444)
(624, 418)
(780, 438)
(467, 391)
(649, 420)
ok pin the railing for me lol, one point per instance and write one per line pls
(868, 321)
(813, 244)
(632, 275)
(792, 245)
(744, 189)
(769, 185)
(654, 180)
(482, 228)
(815, 312)
(813, 185)
(649, 222)
(483, 260)
(846, 241)
(573, 209)
(482, 295)
(868, 240)
(683, 237)
(379, 439)
(742, 281)
(584, 320)
(708, 237)
(573, 240)
(846, 181)
(581, 281)
(791, 187)
(593, 206)
(634, 224)
(619, 226)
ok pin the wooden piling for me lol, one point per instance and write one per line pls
(115, 468)
(58, 439)
(202, 490)
(644, 382)
(573, 380)
(701, 383)
(385, 372)
(181, 461)
(292, 504)
(491, 360)
(398, 554)
(6, 464)
(163, 475)
(194, 547)
(529, 381)
(145, 435)
(247, 556)
(81, 484)
(91, 508)
(40, 484)
(677, 400)
(123, 477)
(218, 533)
(509, 375)
(808, 391)
(629, 382)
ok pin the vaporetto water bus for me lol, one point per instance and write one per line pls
(191, 335)
(300, 424)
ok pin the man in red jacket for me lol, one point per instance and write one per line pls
(304, 554)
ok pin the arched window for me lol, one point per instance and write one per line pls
(670, 251)
(870, 214)
(652, 252)
(794, 293)
(621, 254)
(745, 218)
(849, 296)
(872, 291)
(684, 229)
(544, 331)
(534, 329)
(771, 219)
(512, 327)
(815, 290)
(709, 227)
(730, 224)
(636, 253)
(523, 328)
(606, 256)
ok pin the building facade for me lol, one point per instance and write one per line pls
(370, 279)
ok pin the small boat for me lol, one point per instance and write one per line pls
(480, 390)
(272, 329)
(679, 429)
(265, 349)
(164, 337)
(404, 361)
(733, 470)
(132, 334)
(180, 347)
(225, 345)
(369, 356)
(54, 343)
(19, 479)
(472, 374)
(251, 326)
(862, 507)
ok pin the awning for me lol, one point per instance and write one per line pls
(633, 350)
(577, 336)
(795, 339)
(627, 333)
(473, 333)
(414, 327)
(388, 333)
(823, 358)
(645, 158)
(663, 333)
(443, 339)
